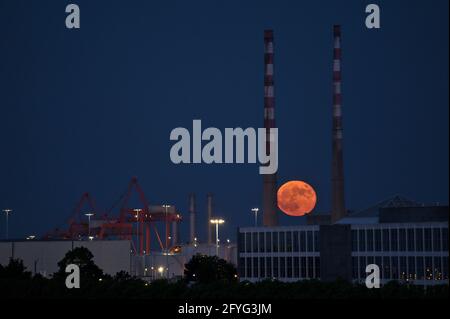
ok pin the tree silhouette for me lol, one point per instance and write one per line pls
(208, 269)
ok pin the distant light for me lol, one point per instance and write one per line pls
(100, 279)
(89, 214)
(160, 269)
(228, 241)
(217, 221)
(91, 237)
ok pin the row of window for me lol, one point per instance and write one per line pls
(403, 267)
(283, 241)
(279, 267)
(400, 239)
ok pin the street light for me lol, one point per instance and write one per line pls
(217, 222)
(137, 211)
(89, 215)
(7, 212)
(166, 207)
(255, 210)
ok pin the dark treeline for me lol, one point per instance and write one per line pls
(214, 279)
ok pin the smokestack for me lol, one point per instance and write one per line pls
(337, 174)
(209, 203)
(270, 217)
(192, 210)
(175, 232)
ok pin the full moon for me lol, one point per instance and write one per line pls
(296, 198)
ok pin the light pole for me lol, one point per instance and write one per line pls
(217, 222)
(7, 212)
(137, 211)
(89, 215)
(255, 211)
(166, 207)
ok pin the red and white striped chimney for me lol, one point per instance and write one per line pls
(270, 217)
(337, 178)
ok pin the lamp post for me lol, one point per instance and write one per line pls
(89, 215)
(7, 212)
(166, 207)
(137, 211)
(255, 211)
(217, 222)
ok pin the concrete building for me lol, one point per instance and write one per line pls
(42, 257)
(409, 244)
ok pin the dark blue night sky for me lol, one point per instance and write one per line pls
(85, 110)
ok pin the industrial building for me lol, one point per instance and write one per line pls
(394, 237)
(408, 241)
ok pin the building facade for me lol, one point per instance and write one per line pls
(407, 248)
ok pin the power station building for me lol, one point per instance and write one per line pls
(407, 243)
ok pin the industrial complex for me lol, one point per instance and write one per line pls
(407, 240)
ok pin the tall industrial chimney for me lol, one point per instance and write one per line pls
(192, 212)
(337, 174)
(209, 203)
(270, 217)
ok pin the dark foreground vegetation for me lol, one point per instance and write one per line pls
(205, 278)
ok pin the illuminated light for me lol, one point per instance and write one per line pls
(100, 279)
(296, 198)
(160, 269)
(217, 221)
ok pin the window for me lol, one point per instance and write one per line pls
(420, 269)
(386, 268)
(310, 266)
(282, 267)
(296, 267)
(436, 239)
(362, 267)
(316, 241)
(275, 267)
(282, 242)
(255, 242)
(296, 241)
(269, 267)
(402, 240)
(362, 240)
(377, 239)
(394, 268)
(445, 239)
(302, 241)
(289, 241)
(309, 240)
(248, 242)
(445, 267)
(412, 274)
(303, 267)
(275, 242)
(255, 267)
(386, 240)
(261, 243)
(427, 239)
(369, 240)
(262, 267)
(411, 239)
(394, 239)
(403, 270)
(419, 239)
(437, 268)
(289, 267)
(428, 268)
(268, 242)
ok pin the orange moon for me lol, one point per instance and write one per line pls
(296, 198)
